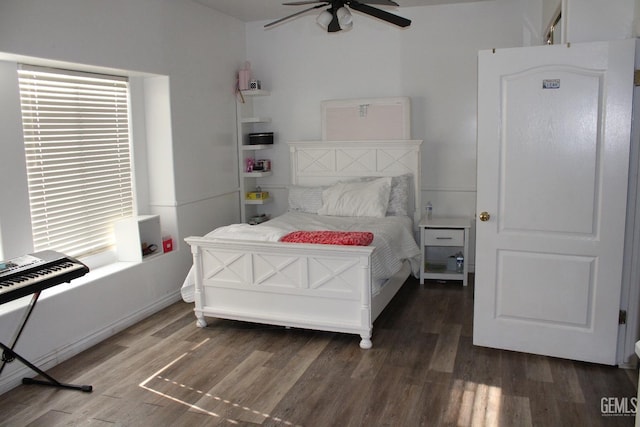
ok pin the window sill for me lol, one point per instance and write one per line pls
(95, 273)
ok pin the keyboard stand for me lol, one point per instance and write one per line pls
(8, 356)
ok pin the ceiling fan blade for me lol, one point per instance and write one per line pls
(334, 25)
(271, 24)
(304, 2)
(380, 14)
(380, 2)
(301, 3)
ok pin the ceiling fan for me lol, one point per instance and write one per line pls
(337, 17)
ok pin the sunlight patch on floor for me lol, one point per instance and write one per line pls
(472, 404)
(158, 376)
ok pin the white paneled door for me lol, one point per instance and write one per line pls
(554, 128)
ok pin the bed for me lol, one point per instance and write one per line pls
(325, 287)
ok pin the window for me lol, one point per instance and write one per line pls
(77, 145)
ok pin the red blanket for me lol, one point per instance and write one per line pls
(352, 238)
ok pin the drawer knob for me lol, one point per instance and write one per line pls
(484, 216)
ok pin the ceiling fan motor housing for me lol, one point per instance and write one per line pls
(337, 17)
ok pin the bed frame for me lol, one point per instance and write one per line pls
(311, 286)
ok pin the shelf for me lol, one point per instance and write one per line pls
(257, 202)
(258, 92)
(248, 121)
(448, 275)
(153, 255)
(256, 120)
(256, 174)
(439, 271)
(256, 147)
(132, 232)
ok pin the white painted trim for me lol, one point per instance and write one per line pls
(628, 334)
(198, 199)
(450, 189)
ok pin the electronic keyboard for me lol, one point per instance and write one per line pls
(32, 273)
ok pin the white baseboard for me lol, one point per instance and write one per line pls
(50, 360)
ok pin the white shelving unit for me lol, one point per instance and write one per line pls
(247, 122)
(132, 232)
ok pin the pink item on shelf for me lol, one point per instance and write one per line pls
(244, 76)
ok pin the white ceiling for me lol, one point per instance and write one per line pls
(262, 10)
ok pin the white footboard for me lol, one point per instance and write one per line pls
(322, 287)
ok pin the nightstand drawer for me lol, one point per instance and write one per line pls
(443, 237)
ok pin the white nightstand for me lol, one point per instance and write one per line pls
(441, 237)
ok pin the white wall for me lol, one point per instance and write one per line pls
(636, 20)
(596, 20)
(434, 61)
(14, 227)
(191, 182)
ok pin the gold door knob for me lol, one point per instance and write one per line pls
(484, 216)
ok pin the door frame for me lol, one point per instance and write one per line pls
(629, 333)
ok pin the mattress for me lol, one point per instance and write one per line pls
(393, 240)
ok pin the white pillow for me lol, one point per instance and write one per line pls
(305, 199)
(369, 198)
(399, 196)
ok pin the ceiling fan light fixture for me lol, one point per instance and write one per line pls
(324, 19)
(345, 19)
(338, 16)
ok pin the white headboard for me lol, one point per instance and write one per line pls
(366, 119)
(316, 163)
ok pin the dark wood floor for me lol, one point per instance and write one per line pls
(422, 370)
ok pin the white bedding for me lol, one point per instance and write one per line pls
(393, 239)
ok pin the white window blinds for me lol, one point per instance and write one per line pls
(76, 135)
